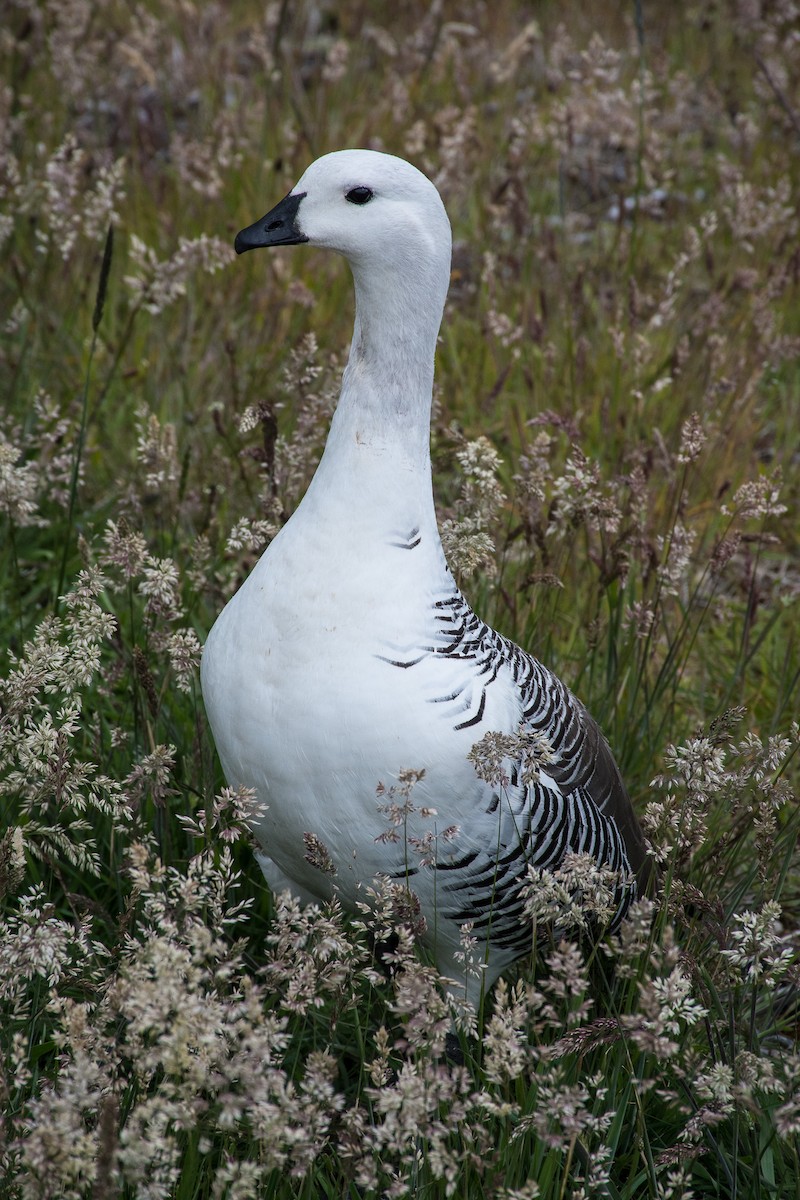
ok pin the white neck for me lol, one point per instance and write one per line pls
(378, 448)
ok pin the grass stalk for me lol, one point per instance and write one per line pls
(97, 316)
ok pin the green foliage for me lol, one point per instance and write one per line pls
(615, 456)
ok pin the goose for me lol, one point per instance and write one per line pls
(349, 656)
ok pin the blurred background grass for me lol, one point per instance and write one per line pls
(621, 180)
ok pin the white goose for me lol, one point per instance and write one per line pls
(349, 653)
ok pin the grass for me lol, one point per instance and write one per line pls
(623, 328)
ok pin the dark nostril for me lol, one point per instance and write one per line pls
(274, 225)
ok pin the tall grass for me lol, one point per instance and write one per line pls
(615, 448)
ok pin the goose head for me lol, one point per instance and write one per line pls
(380, 212)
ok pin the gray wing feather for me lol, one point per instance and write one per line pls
(589, 812)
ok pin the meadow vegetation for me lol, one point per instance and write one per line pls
(616, 461)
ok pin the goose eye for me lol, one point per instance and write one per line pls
(359, 195)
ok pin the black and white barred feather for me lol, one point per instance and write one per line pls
(583, 806)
